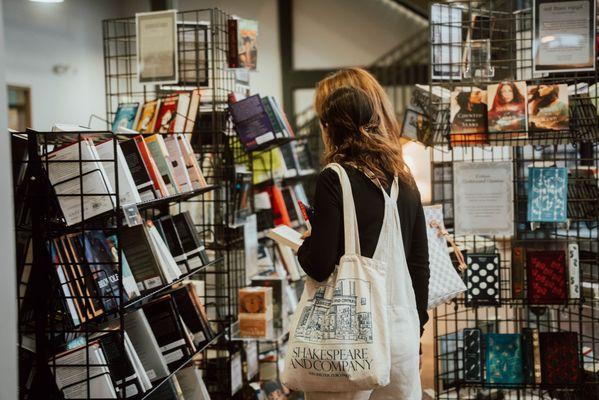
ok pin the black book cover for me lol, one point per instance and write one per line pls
(482, 280)
(289, 200)
(141, 258)
(121, 370)
(190, 240)
(528, 358)
(136, 165)
(473, 368)
(192, 316)
(168, 331)
(166, 227)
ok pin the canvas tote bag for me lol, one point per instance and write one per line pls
(339, 339)
(444, 282)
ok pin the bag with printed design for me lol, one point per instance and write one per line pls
(444, 283)
(339, 339)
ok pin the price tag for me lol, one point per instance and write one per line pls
(132, 216)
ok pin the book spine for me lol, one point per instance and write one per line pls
(573, 271)
(233, 53)
(518, 268)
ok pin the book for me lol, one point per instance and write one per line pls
(279, 297)
(142, 257)
(193, 313)
(129, 283)
(139, 173)
(507, 109)
(547, 281)
(179, 121)
(145, 344)
(256, 300)
(482, 279)
(194, 105)
(247, 44)
(120, 363)
(255, 325)
(548, 107)
(277, 124)
(191, 383)
(166, 114)
(286, 236)
(269, 165)
(518, 271)
(528, 356)
(573, 271)
(193, 169)
(536, 349)
(295, 215)
(194, 248)
(503, 359)
(560, 359)
(166, 227)
(251, 122)
(150, 164)
(177, 162)
(547, 194)
(168, 266)
(279, 209)
(169, 331)
(289, 261)
(76, 380)
(468, 117)
(473, 367)
(232, 51)
(74, 170)
(111, 155)
(160, 155)
(147, 117)
(125, 116)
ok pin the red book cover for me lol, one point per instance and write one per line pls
(560, 362)
(150, 165)
(546, 277)
(166, 114)
(279, 210)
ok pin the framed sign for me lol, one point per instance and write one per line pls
(564, 35)
(157, 56)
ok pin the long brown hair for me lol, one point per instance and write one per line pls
(387, 143)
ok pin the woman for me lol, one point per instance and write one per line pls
(545, 109)
(361, 134)
(508, 110)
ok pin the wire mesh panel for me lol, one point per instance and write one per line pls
(525, 138)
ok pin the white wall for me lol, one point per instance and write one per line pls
(8, 317)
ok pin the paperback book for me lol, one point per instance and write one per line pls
(547, 194)
(503, 359)
(507, 110)
(548, 108)
(547, 281)
(125, 116)
(468, 117)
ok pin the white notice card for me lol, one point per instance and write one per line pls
(483, 198)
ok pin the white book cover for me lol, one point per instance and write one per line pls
(128, 193)
(178, 163)
(72, 379)
(167, 262)
(195, 173)
(182, 112)
(73, 168)
(167, 160)
(289, 261)
(287, 236)
(192, 385)
(574, 271)
(142, 376)
(145, 344)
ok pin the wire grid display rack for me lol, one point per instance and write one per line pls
(506, 28)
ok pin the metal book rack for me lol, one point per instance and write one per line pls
(504, 29)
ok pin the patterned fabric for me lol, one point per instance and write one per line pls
(547, 194)
(546, 280)
(559, 358)
(473, 369)
(444, 283)
(482, 279)
(503, 355)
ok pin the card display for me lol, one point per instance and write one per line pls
(503, 357)
(560, 362)
(482, 280)
(546, 277)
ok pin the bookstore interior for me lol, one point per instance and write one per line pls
(155, 244)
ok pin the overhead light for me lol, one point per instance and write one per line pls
(47, 1)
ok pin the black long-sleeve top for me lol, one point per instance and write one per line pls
(320, 252)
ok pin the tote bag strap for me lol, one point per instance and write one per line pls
(350, 221)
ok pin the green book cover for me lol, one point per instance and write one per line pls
(503, 357)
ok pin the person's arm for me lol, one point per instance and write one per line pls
(418, 264)
(319, 252)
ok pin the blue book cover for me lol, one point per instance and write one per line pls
(125, 116)
(547, 194)
(503, 359)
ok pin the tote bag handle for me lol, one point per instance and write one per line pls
(350, 221)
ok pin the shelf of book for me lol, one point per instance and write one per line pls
(514, 165)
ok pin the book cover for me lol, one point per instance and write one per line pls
(278, 127)
(280, 113)
(518, 269)
(166, 115)
(247, 43)
(291, 206)
(150, 164)
(279, 297)
(160, 155)
(195, 252)
(175, 158)
(125, 116)
(193, 169)
(573, 271)
(546, 277)
(194, 105)
(547, 194)
(528, 356)
(179, 121)
(503, 359)
(141, 257)
(468, 117)
(483, 280)
(279, 209)
(507, 109)
(232, 53)
(548, 108)
(560, 359)
(127, 189)
(147, 116)
(138, 170)
(191, 311)
(473, 367)
(251, 122)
